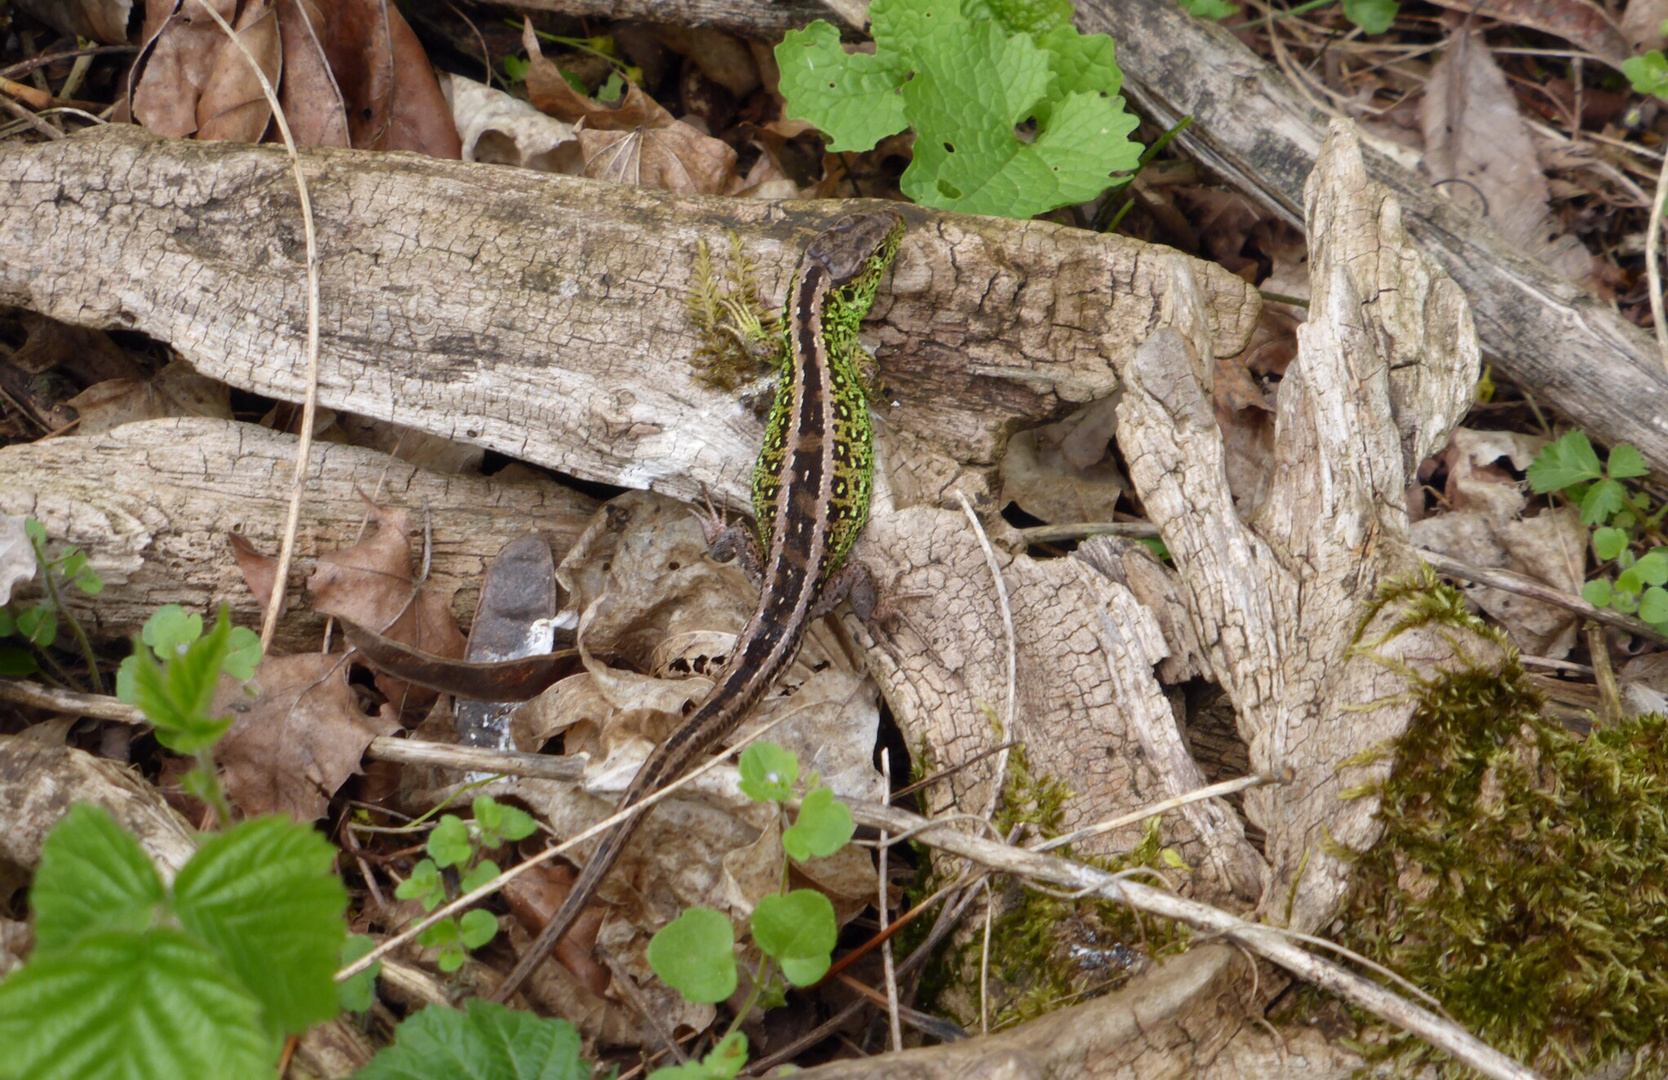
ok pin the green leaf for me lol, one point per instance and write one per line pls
(449, 842)
(1653, 605)
(797, 931)
(441, 935)
(1629, 582)
(768, 772)
(478, 927)
(1597, 592)
(35, 531)
(499, 822)
(424, 885)
(487, 1042)
(484, 871)
(723, 1063)
(1602, 499)
(38, 626)
(72, 561)
(1560, 464)
(515, 68)
(1372, 16)
(17, 663)
(695, 955)
(243, 654)
(972, 85)
(8, 623)
(851, 97)
(263, 894)
(127, 1005)
(359, 992)
(1626, 462)
(1034, 17)
(89, 582)
(1609, 543)
(824, 826)
(176, 695)
(1077, 64)
(93, 876)
(1648, 73)
(611, 89)
(170, 630)
(1652, 568)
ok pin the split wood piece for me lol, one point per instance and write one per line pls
(1564, 345)
(153, 504)
(766, 20)
(545, 316)
(1385, 367)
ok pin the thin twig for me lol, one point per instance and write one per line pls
(1653, 258)
(1226, 787)
(883, 905)
(1538, 590)
(1008, 731)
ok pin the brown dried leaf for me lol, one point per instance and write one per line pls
(102, 20)
(181, 53)
(232, 105)
(373, 584)
(503, 130)
(638, 142)
(393, 101)
(259, 571)
(311, 99)
(1582, 22)
(1063, 472)
(1475, 134)
(176, 390)
(84, 354)
(301, 739)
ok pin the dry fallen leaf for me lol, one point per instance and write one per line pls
(1583, 22)
(311, 99)
(373, 584)
(259, 571)
(233, 105)
(393, 100)
(1478, 149)
(499, 129)
(636, 143)
(1063, 472)
(176, 390)
(300, 740)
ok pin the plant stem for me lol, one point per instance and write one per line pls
(49, 579)
(213, 793)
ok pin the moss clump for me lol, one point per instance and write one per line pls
(1047, 951)
(1523, 874)
(738, 334)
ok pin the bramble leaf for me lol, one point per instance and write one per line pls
(131, 1005)
(93, 876)
(486, 1040)
(264, 895)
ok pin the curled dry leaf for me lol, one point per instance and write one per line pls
(1582, 22)
(233, 105)
(499, 129)
(181, 53)
(300, 740)
(311, 99)
(637, 143)
(259, 570)
(373, 584)
(176, 390)
(393, 101)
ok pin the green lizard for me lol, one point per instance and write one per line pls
(811, 489)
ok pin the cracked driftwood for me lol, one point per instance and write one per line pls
(543, 317)
(154, 504)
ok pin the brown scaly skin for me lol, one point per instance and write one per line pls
(811, 491)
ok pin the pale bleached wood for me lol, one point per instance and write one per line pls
(1571, 350)
(544, 316)
(153, 504)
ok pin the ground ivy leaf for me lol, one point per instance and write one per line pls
(1609, 543)
(131, 1005)
(694, 954)
(484, 871)
(478, 927)
(243, 654)
(768, 772)
(93, 876)
(1653, 606)
(1597, 592)
(499, 822)
(823, 827)
(263, 894)
(486, 1040)
(424, 885)
(797, 931)
(170, 630)
(850, 97)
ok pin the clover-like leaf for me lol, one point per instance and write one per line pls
(695, 955)
(449, 843)
(1609, 543)
(499, 822)
(823, 827)
(424, 885)
(768, 772)
(798, 932)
